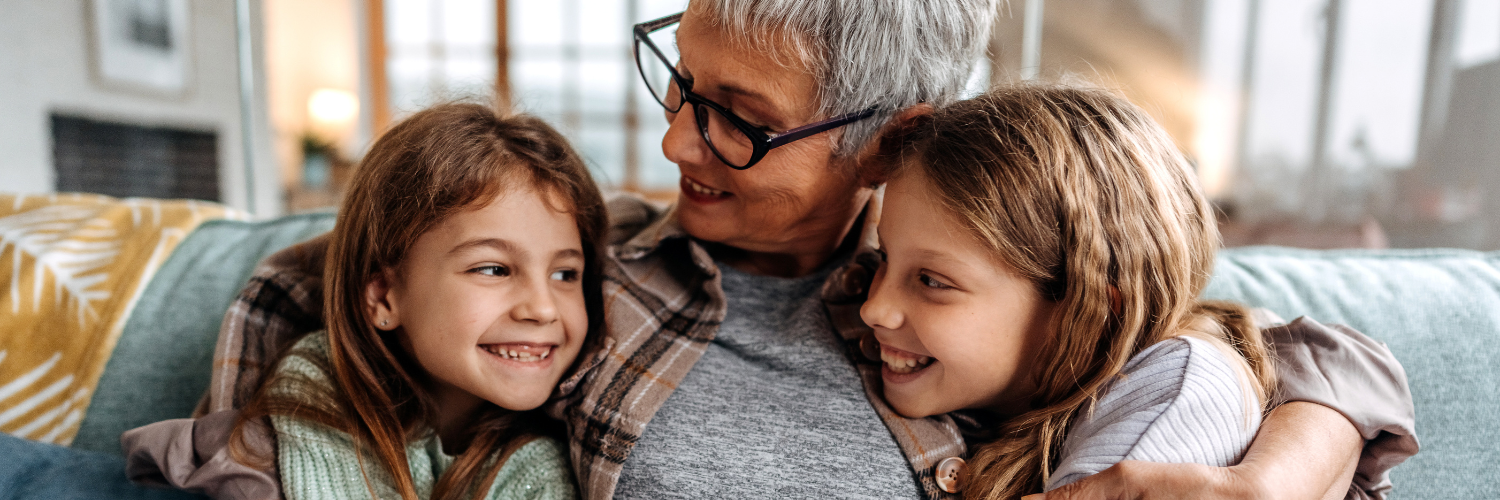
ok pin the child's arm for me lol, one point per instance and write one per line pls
(539, 470)
(1321, 444)
(1178, 401)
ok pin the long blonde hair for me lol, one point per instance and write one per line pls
(1086, 196)
(438, 162)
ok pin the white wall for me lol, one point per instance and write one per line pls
(45, 67)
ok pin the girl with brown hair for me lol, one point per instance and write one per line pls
(461, 283)
(1043, 248)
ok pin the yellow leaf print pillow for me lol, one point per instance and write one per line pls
(71, 268)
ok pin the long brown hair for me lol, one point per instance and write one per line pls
(438, 162)
(1086, 196)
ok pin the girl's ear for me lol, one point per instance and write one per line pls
(880, 157)
(380, 302)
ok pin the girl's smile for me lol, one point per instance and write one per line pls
(521, 353)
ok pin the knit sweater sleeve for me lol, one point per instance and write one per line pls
(317, 462)
(539, 470)
(1178, 401)
(320, 463)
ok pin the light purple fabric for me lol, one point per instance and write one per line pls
(1340, 368)
(193, 455)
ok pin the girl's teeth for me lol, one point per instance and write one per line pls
(521, 356)
(902, 364)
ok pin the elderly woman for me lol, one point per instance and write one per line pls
(733, 364)
(736, 366)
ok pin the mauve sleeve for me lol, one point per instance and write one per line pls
(193, 455)
(1340, 368)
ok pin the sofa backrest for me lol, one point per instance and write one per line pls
(1438, 311)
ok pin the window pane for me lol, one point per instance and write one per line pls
(469, 23)
(1378, 93)
(536, 87)
(408, 22)
(439, 50)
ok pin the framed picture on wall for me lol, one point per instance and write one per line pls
(142, 44)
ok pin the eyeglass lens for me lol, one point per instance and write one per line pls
(655, 70)
(723, 137)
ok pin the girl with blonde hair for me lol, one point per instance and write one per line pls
(1043, 249)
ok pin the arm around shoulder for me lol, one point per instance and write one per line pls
(1350, 417)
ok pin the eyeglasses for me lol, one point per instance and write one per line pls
(735, 141)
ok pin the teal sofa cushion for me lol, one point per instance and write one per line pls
(45, 471)
(1437, 310)
(160, 367)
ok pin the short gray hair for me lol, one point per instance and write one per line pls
(884, 54)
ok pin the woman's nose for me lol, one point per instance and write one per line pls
(683, 144)
(880, 310)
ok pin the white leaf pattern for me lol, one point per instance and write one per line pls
(76, 264)
(53, 236)
(47, 421)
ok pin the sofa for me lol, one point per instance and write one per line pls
(1437, 309)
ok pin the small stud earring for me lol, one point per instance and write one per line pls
(383, 322)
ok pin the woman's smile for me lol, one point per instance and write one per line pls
(697, 192)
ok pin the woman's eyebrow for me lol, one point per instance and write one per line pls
(732, 88)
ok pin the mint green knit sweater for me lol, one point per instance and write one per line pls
(319, 463)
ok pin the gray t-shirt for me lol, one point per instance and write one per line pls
(773, 409)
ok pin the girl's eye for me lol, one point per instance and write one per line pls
(565, 275)
(491, 270)
(930, 282)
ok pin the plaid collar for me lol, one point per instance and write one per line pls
(663, 305)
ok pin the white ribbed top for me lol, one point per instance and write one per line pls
(1178, 401)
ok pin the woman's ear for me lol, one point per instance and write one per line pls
(881, 156)
(381, 302)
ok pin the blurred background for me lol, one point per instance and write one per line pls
(1312, 123)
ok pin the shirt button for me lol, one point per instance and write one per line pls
(854, 280)
(949, 474)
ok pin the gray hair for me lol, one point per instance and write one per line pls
(884, 54)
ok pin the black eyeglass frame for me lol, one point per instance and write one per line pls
(760, 142)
